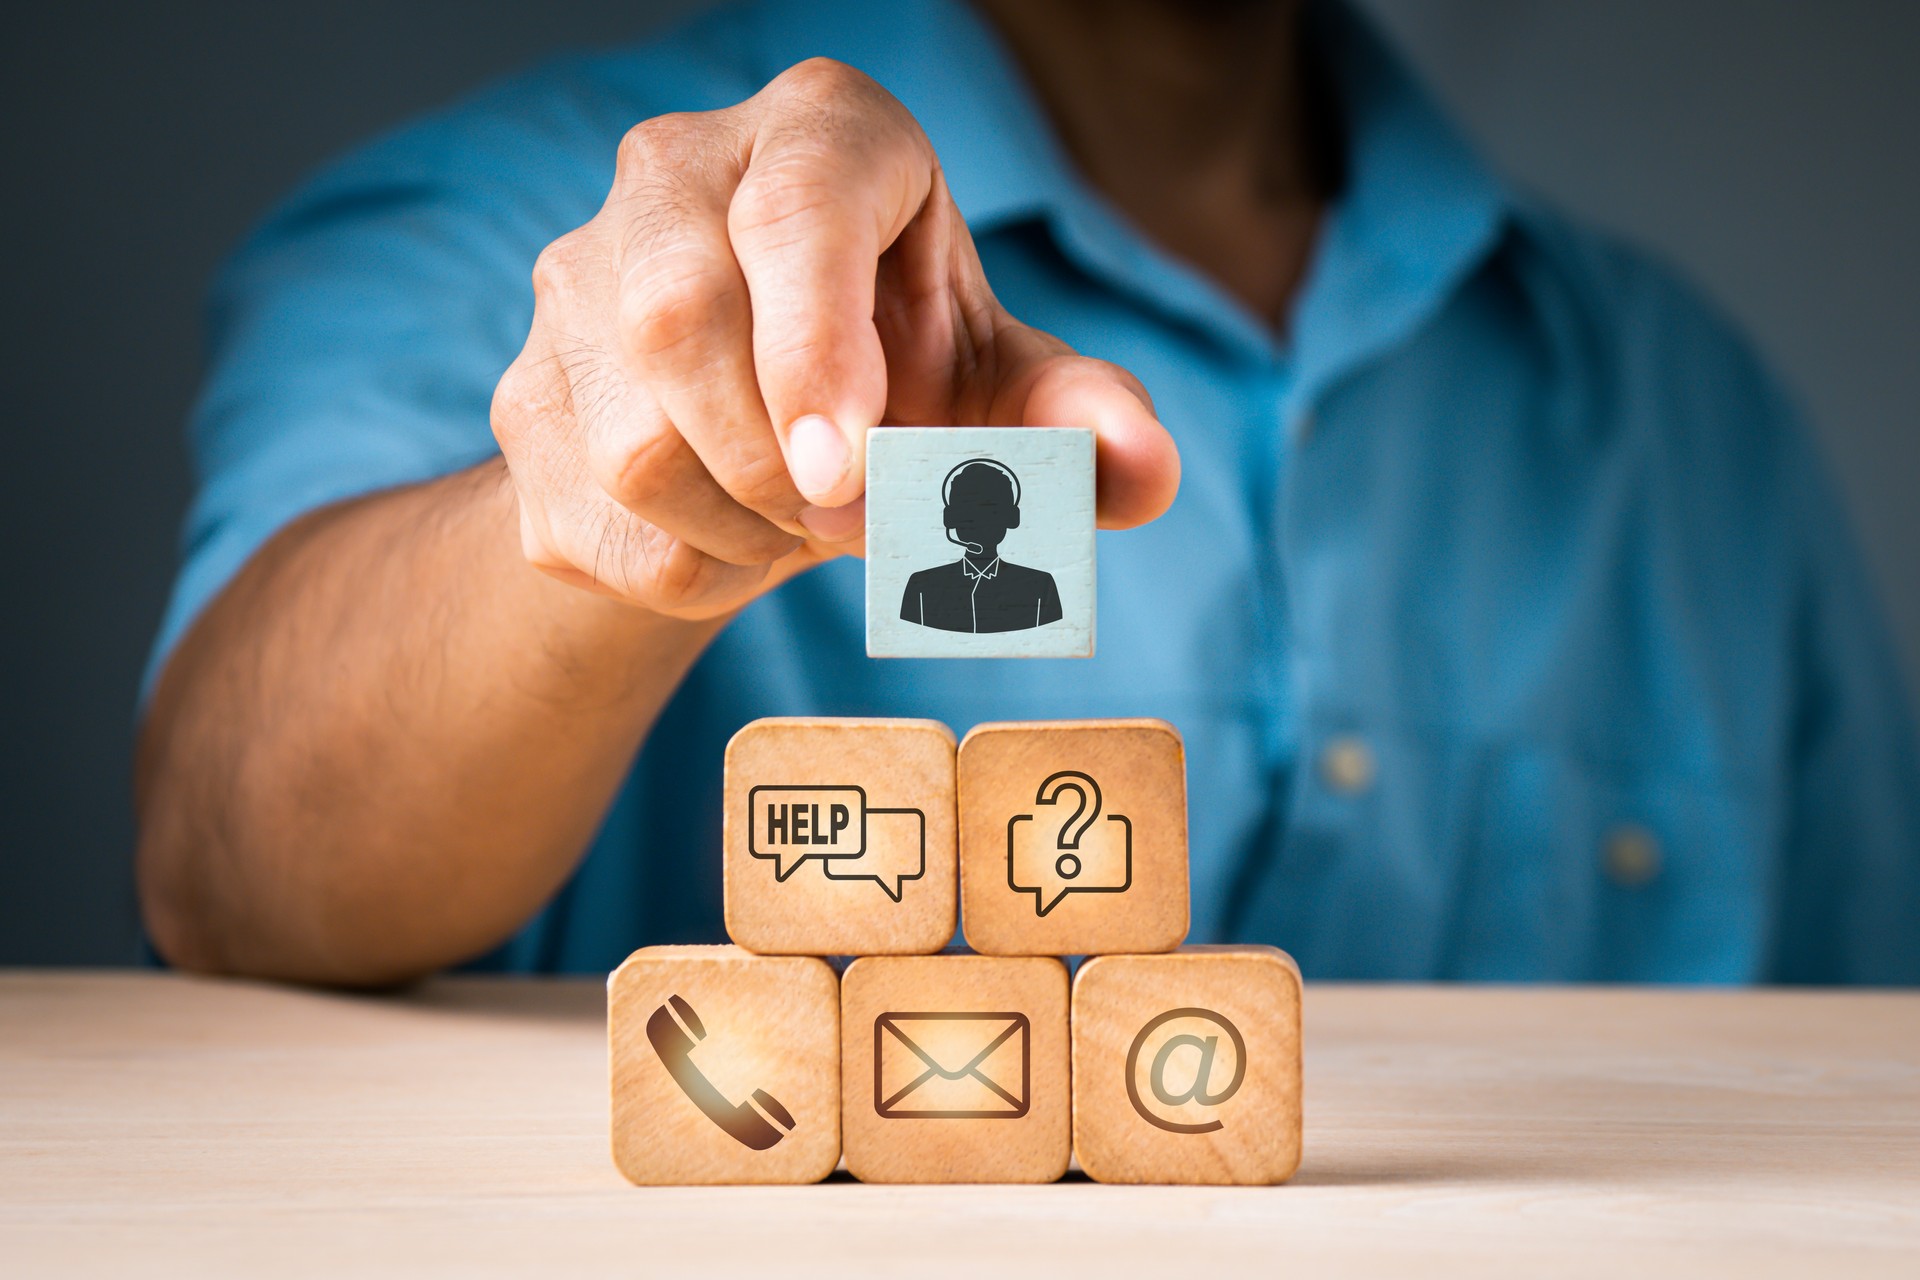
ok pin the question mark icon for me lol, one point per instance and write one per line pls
(1074, 826)
(1051, 874)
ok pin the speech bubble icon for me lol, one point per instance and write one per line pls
(793, 824)
(896, 852)
(1066, 845)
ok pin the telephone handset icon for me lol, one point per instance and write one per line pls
(673, 1030)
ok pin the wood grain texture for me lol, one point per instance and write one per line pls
(156, 1125)
(1216, 1030)
(954, 1068)
(921, 604)
(1050, 865)
(743, 1023)
(892, 782)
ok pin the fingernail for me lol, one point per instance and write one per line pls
(835, 524)
(817, 456)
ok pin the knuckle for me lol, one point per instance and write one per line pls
(679, 575)
(661, 142)
(759, 481)
(825, 80)
(518, 400)
(675, 299)
(553, 269)
(645, 469)
(774, 197)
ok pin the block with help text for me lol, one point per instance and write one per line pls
(980, 542)
(1186, 1066)
(839, 837)
(1073, 837)
(954, 1068)
(725, 1066)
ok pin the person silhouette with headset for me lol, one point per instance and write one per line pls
(980, 592)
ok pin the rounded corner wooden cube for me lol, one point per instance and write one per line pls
(1073, 837)
(954, 1068)
(839, 837)
(1187, 1066)
(724, 1065)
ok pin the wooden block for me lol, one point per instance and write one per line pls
(725, 1066)
(839, 837)
(1186, 1066)
(954, 1068)
(980, 542)
(1073, 837)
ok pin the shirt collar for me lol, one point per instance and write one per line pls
(989, 571)
(1418, 212)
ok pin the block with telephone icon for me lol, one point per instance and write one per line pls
(755, 1063)
(1073, 837)
(954, 1068)
(725, 1066)
(1186, 1066)
(838, 836)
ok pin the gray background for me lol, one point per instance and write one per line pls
(1765, 146)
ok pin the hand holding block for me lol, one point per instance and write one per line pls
(1186, 1066)
(725, 1066)
(839, 837)
(1073, 837)
(980, 542)
(954, 1069)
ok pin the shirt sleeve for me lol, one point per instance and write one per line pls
(1049, 607)
(356, 338)
(1849, 907)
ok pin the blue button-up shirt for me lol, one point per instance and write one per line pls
(1512, 628)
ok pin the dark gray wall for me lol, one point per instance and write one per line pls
(1768, 147)
(1765, 145)
(141, 141)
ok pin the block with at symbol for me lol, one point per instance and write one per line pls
(839, 836)
(954, 1068)
(1186, 1066)
(1073, 837)
(725, 1066)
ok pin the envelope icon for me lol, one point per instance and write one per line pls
(952, 1066)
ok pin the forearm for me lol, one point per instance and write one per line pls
(388, 741)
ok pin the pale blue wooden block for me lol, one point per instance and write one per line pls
(946, 577)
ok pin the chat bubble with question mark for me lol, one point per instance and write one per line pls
(1067, 845)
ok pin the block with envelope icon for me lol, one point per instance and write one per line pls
(1073, 837)
(839, 836)
(725, 1066)
(954, 1068)
(1186, 1066)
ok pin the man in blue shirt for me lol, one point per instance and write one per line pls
(1512, 629)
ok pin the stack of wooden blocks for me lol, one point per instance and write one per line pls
(920, 1062)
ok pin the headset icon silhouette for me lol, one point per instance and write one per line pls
(950, 518)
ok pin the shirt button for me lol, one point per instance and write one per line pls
(1303, 426)
(1631, 856)
(1346, 765)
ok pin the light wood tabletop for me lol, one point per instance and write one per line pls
(158, 1125)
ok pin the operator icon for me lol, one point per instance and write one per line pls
(980, 592)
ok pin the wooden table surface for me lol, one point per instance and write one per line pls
(158, 1125)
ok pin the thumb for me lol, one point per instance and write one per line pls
(1137, 466)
